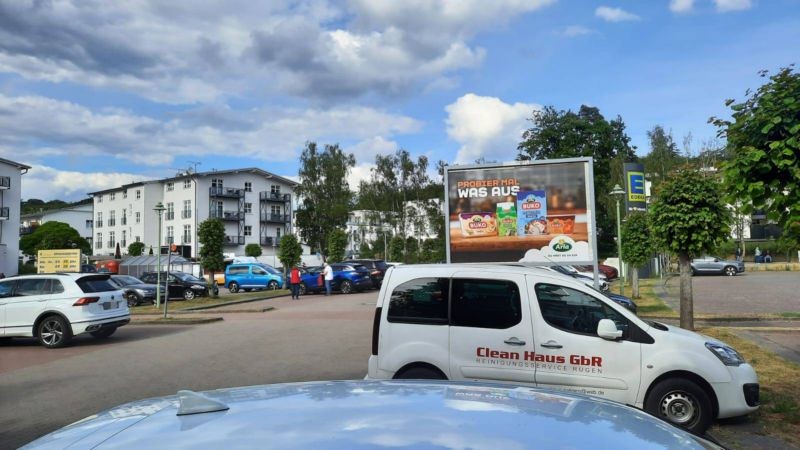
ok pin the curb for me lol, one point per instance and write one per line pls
(178, 322)
(233, 302)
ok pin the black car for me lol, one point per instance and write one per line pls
(377, 269)
(181, 284)
(136, 291)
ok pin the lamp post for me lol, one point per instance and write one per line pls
(617, 193)
(159, 209)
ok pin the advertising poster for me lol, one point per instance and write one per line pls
(533, 212)
(636, 195)
(51, 261)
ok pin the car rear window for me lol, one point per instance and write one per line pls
(100, 283)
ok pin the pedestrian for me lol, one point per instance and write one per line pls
(767, 257)
(294, 280)
(757, 254)
(738, 253)
(327, 273)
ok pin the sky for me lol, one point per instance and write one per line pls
(94, 94)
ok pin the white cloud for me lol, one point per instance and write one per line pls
(486, 127)
(575, 31)
(733, 5)
(41, 127)
(610, 14)
(361, 172)
(48, 183)
(681, 6)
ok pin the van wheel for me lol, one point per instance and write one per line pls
(233, 287)
(730, 271)
(188, 294)
(54, 332)
(420, 373)
(103, 333)
(682, 403)
(346, 287)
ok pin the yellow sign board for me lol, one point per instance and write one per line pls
(66, 260)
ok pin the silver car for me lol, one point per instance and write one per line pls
(716, 265)
(371, 414)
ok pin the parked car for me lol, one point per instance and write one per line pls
(610, 273)
(587, 280)
(181, 285)
(716, 265)
(528, 326)
(364, 414)
(88, 268)
(627, 302)
(347, 277)
(136, 291)
(55, 307)
(377, 268)
(250, 276)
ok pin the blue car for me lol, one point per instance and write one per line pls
(346, 279)
(249, 276)
(622, 300)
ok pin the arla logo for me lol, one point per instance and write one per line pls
(564, 244)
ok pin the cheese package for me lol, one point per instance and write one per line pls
(561, 224)
(507, 219)
(478, 224)
(531, 213)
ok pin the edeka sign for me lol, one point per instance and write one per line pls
(636, 200)
(539, 212)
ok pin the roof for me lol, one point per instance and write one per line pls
(12, 163)
(123, 187)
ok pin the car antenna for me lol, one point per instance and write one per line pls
(193, 403)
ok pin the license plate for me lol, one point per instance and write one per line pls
(110, 305)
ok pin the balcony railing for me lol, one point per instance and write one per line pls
(227, 215)
(269, 241)
(169, 215)
(279, 218)
(234, 240)
(111, 244)
(98, 244)
(274, 197)
(111, 222)
(186, 214)
(5, 213)
(5, 182)
(225, 192)
(98, 224)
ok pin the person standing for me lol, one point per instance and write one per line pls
(327, 273)
(757, 254)
(294, 280)
(738, 253)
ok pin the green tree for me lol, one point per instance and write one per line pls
(136, 249)
(211, 236)
(567, 134)
(53, 236)
(432, 250)
(337, 244)
(764, 149)
(637, 247)
(396, 249)
(365, 250)
(253, 250)
(411, 255)
(663, 156)
(289, 251)
(325, 196)
(688, 218)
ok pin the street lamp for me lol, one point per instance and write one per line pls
(159, 209)
(617, 193)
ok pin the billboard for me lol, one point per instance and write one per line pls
(636, 197)
(538, 212)
(66, 260)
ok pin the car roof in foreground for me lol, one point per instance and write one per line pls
(358, 414)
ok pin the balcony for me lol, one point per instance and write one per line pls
(5, 182)
(225, 192)
(5, 212)
(227, 215)
(186, 214)
(269, 241)
(234, 240)
(274, 197)
(278, 218)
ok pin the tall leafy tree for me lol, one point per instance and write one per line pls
(53, 236)
(290, 251)
(211, 236)
(396, 249)
(567, 134)
(764, 149)
(337, 244)
(663, 157)
(637, 246)
(688, 218)
(325, 196)
(136, 249)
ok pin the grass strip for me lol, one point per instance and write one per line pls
(208, 302)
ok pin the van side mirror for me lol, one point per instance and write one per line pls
(607, 329)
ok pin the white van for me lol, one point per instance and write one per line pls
(529, 326)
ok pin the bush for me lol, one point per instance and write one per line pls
(776, 249)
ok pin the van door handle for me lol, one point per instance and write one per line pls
(551, 344)
(514, 341)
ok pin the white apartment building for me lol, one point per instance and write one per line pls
(254, 205)
(367, 225)
(79, 217)
(10, 202)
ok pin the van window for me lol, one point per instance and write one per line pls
(574, 311)
(259, 271)
(423, 300)
(237, 270)
(485, 303)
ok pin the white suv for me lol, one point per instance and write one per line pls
(55, 307)
(533, 327)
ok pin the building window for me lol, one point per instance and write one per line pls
(125, 193)
(248, 208)
(216, 183)
(99, 242)
(187, 209)
(187, 233)
(138, 217)
(89, 223)
(138, 239)
(187, 184)
(248, 186)
(124, 242)
(112, 196)
(112, 242)
(278, 233)
(170, 235)
(275, 189)
(138, 194)
(124, 220)
(170, 186)
(218, 209)
(99, 222)
(170, 211)
(111, 219)
(248, 230)
(100, 198)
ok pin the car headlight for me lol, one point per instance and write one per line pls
(141, 291)
(198, 286)
(727, 355)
